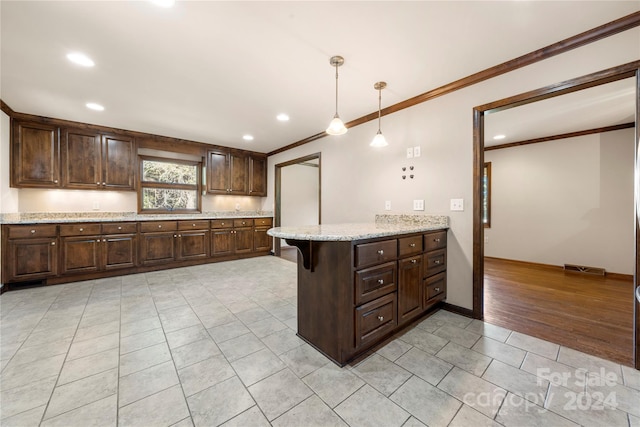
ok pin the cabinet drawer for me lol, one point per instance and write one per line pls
(263, 222)
(34, 230)
(376, 253)
(375, 319)
(409, 246)
(193, 225)
(221, 223)
(375, 282)
(437, 240)
(243, 223)
(79, 229)
(435, 262)
(151, 226)
(435, 288)
(119, 227)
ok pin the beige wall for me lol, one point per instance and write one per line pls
(356, 179)
(299, 195)
(565, 201)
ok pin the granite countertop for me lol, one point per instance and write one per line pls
(384, 225)
(71, 217)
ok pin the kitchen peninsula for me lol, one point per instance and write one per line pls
(360, 283)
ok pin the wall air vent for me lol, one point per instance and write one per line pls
(597, 271)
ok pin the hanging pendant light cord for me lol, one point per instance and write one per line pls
(336, 91)
(379, 107)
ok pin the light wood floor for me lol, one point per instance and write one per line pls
(592, 314)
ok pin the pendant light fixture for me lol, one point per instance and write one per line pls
(379, 140)
(336, 127)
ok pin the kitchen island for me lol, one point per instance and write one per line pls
(360, 283)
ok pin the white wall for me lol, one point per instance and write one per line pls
(299, 195)
(8, 195)
(356, 179)
(565, 201)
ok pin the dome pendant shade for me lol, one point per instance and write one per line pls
(336, 127)
(379, 140)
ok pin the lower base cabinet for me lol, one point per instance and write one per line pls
(59, 253)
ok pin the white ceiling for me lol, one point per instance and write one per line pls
(212, 71)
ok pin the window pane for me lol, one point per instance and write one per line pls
(170, 173)
(169, 199)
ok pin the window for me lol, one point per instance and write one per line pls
(486, 195)
(169, 186)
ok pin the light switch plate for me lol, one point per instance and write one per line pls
(418, 205)
(387, 205)
(410, 153)
(457, 204)
(416, 151)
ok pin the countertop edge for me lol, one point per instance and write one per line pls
(341, 237)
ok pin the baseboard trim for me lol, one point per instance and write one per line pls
(457, 309)
(617, 276)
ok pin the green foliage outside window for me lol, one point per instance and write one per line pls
(169, 185)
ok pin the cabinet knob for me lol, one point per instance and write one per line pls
(160, 226)
(119, 228)
(243, 223)
(437, 289)
(437, 262)
(104, 240)
(104, 183)
(53, 243)
(380, 252)
(436, 240)
(174, 236)
(412, 245)
(81, 229)
(55, 181)
(413, 261)
(98, 183)
(193, 225)
(381, 318)
(381, 281)
(33, 231)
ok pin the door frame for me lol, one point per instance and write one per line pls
(277, 218)
(631, 69)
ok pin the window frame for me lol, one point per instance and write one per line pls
(142, 185)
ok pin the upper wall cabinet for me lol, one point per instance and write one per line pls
(35, 155)
(92, 160)
(257, 175)
(227, 173)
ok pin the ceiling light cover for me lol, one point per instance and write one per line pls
(283, 117)
(379, 140)
(247, 137)
(94, 106)
(336, 127)
(499, 137)
(80, 59)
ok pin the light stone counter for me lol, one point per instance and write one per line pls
(71, 217)
(384, 225)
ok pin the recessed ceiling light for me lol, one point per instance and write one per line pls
(94, 106)
(499, 137)
(163, 3)
(80, 59)
(283, 117)
(247, 137)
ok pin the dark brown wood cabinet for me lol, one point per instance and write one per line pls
(243, 235)
(193, 240)
(30, 252)
(233, 236)
(227, 172)
(261, 240)
(157, 242)
(257, 175)
(35, 155)
(409, 288)
(92, 160)
(435, 265)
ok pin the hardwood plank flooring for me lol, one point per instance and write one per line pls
(592, 314)
(290, 253)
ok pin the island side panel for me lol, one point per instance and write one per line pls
(325, 300)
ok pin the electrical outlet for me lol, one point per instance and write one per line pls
(418, 205)
(457, 204)
(410, 153)
(96, 205)
(416, 151)
(387, 205)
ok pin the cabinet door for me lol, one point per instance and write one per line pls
(80, 254)
(261, 240)
(222, 242)
(218, 172)
(31, 259)
(193, 244)
(119, 153)
(243, 240)
(238, 174)
(409, 288)
(257, 176)
(35, 160)
(81, 155)
(119, 251)
(157, 248)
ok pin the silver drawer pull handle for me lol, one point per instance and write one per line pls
(413, 261)
(380, 252)
(437, 261)
(381, 318)
(33, 231)
(381, 281)
(413, 245)
(437, 289)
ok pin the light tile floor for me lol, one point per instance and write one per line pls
(216, 345)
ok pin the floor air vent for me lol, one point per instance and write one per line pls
(597, 271)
